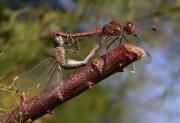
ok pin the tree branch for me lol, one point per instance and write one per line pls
(85, 78)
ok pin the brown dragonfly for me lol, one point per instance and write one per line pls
(112, 31)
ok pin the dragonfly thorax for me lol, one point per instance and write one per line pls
(111, 29)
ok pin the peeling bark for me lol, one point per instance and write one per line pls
(83, 79)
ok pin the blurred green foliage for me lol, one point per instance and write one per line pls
(25, 41)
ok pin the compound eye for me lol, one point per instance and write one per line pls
(129, 24)
(57, 41)
(130, 27)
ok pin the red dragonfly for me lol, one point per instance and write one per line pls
(111, 31)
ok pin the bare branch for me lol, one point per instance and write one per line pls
(85, 78)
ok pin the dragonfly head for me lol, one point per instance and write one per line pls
(57, 40)
(129, 28)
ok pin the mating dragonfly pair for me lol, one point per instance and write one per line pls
(49, 71)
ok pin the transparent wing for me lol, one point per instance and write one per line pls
(36, 77)
(147, 59)
(113, 41)
(53, 76)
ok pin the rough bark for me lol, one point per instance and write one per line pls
(83, 79)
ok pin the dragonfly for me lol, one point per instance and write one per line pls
(49, 71)
(110, 32)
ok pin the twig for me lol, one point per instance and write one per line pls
(85, 78)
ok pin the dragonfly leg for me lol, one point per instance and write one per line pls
(72, 40)
(124, 37)
(120, 40)
(78, 47)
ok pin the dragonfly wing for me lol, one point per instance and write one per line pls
(147, 58)
(112, 41)
(30, 79)
(53, 76)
